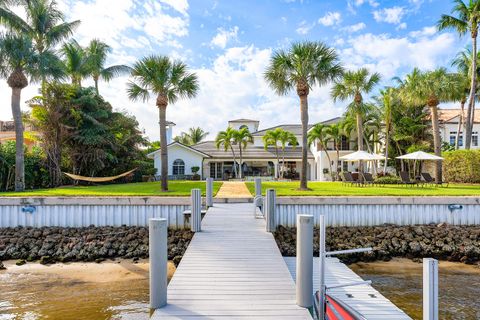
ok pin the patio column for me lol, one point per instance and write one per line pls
(276, 173)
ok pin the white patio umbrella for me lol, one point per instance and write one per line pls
(361, 156)
(419, 155)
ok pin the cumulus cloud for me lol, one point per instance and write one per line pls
(355, 27)
(391, 15)
(304, 27)
(223, 36)
(330, 19)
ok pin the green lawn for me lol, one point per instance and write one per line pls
(337, 189)
(176, 188)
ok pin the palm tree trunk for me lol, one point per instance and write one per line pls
(19, 150)
(162, 110)
(360, 144)
(277, 174)
(460, 123)
(436, 143)
(329, 161)
(95, 79)
(387, 138)
(304, 117)
(471, 102)
(234, 163)
(240, 171)
(283, 163)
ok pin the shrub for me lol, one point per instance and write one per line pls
(388, 180)
(462, 166)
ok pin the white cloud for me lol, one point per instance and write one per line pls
(424, 32)
(330, 19)
(401, 26)
(179, 5)
(389, 15)
(223, 36)
(355, 27)
(304, 27)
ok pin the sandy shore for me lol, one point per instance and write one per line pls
(107, 271)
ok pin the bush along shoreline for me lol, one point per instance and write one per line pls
(442, 241)
(90, 244)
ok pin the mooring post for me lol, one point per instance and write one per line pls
(157, 250)
(304, 260)
(258, 187)
(209, 198)
(270, 203)
(196, 217)
(430, 289)
(321, 255)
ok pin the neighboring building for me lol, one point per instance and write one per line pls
(257, 161)
(449, 119)
(7, 133)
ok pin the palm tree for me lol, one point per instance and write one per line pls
(242, 137)
(386, 102)
(335, 133)
(18, 59)
(287, 137)
(75, 62)
(467, 20)
(319, 133)
(272, 138)
(353, 85)
(430, 89)
(97, 52)
(303, 66)
(169, 81)
(193, 136)
(227, 140)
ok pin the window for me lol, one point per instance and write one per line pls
(178, 167)
(475, 139)
(453, 137)
(243, 126)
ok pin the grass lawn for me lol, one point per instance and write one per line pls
(337, 189)
(176, 189)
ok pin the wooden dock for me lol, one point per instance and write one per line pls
(233, 269)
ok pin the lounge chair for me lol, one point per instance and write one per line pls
(348, 179)
(368, 178)
(404, 176)
(428, 179)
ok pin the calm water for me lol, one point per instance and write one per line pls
(32, 295)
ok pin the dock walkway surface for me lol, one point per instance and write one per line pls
(233, 189)
(233, 269)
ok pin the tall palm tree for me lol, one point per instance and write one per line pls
(169, 81)
(467, 20)
(286, 137)
(335, 134)
(97, 52)
(319, 134)
(354, 84)
(242, 138)
(300, 68)
(272, 138)
(227, 140)
(75, 62)
(18, 59)
(386, 101)
(430, 88)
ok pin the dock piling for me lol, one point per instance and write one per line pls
(258, 187)
(321, 255)
(196, 218)
(304, 269)
(158, 262)
(430, 289)
(209, 195)
(270, 204)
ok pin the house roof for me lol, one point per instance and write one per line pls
(448, 115)
(251, 152)
(243, 120)
(296, 129)
(150, 155)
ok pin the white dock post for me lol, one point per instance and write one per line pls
(270, 204)
(430, 289)
(258, 187)
(196, 217)
(157, 249)
(209, 198)
(322, 251)
(304, 260)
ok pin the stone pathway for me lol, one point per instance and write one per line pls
(233, 189)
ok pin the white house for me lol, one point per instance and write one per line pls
(257, 161)
(449, 119)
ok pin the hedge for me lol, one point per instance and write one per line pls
(462, 166)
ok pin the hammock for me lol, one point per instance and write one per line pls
(98, 179)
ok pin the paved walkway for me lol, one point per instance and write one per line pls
(233, 189)
(233, 269)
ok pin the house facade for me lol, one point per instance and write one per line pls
(449, 119)
(257, 161)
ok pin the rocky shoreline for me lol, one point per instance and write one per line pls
(57, 244)
(443, 242)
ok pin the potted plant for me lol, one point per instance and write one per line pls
(195, 170)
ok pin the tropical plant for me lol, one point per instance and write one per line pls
(97, 52)
(242, 138)
(318, 134)
(226, 139)
(387, 100)
(353, 85)
(272, 138)
(169, 81)
(193, 136)
(335, 134)
(467, 19)
(287, 138)
(430, 88)
(300, 68)
(75, 62)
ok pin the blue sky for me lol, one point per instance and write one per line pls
(229, 43)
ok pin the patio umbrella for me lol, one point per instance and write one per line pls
(361, 156)
(420, 155)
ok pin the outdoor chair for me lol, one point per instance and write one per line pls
(368, 178)
(404, 176)
(348, 179)
(428, 179)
